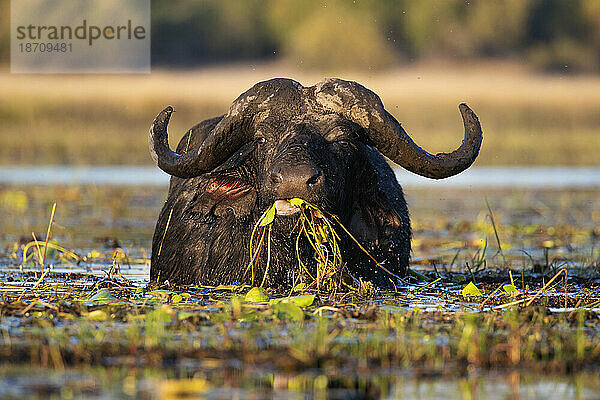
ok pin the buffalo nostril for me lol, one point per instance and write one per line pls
(276, 178)
(316, 179)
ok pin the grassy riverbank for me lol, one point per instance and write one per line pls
(103, 119)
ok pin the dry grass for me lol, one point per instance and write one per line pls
(102, 119)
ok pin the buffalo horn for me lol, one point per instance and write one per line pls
(386, 133)
(222, 142)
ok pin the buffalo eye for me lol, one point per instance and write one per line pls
(345, 143)
(261, 140)
(339, 135)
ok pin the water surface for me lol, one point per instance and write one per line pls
(498, 177)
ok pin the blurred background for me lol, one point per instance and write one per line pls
(529, 68)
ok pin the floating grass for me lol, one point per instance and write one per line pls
(48, 245)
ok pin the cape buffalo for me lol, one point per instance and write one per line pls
(324, 143)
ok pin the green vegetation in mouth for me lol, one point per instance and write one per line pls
(329, 276)
(317, 229)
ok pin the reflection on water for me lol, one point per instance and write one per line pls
(238, 382)
(508, 177)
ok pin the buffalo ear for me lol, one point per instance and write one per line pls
(219, 196)
(379, 211)
(224, 189)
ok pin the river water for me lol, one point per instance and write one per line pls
(100, 206)
(495, 177)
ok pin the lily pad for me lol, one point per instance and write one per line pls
(289, 311)
(103, 296)
(176, 298)
(509, 290)
(256, 295)
(471, 290)
(301, 301)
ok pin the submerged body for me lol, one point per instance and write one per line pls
(279, 141)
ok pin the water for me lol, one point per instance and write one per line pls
(494, 177)
(94, 214)
(217, 383)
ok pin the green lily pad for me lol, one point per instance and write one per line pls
(509, 289)
(176, 298)
(256, 295)
(103, 296)
(289, 311)
(471, 290)
(301, 301)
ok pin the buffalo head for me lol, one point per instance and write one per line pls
(280, 140)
